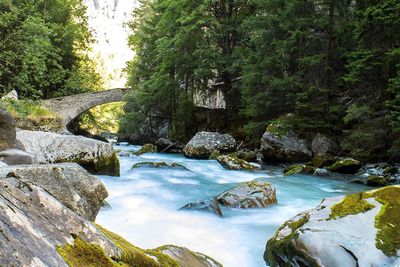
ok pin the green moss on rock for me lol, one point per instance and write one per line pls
(346, 166)
(82, 253)
(134, 256)
(146, 148)
(352, 204)
(320, 161)
(280, 248)
(387, 222)
(375, 180)
(158, 165)
(299, 169)
(214, 154)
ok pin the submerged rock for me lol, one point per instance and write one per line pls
(254, 194)
(93, 155)
(158, 165)
(345, 166)
(17, 157)
(284, 148)
(210, 205)
(69, 183)
(146, 148)
(321, 172)
(356, 230)
(232, 162)
(7, 131)
(187, 258)
(203, 143)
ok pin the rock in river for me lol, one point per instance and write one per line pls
(187, 258)
(93, 155)
(203, 143)
(254, 194)
(232, 162)
(356, 230)
(210, 205)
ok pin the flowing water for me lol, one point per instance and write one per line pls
(145, 206)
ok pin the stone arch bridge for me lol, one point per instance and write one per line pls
(71, 107)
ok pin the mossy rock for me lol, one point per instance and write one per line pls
(279, 127)
(249, 156)
(345, 166)
(320, 161)
(390, 170)
(214, 154)
(299, 169)
(232, 162)
(375, 180)
(146, 148)
(103, 165)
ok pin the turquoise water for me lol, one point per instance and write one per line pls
(145, 201)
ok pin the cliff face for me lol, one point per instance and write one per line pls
(107, 19)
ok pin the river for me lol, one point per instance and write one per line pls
(145, 206)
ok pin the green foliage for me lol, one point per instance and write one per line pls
(26, 108)
(44, 48)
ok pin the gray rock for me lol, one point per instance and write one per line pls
(254, 194)
(7, 131)
(232, 162)
(321, 172)
(322, 145)
(69, 183)
(187, 258)
(284, 148)
(148, 132)
(210, 205)
(167, 146)
(33, 223)
(13, 95)
(17, 157)
(321, 237)
(93, 155)
(203, 143)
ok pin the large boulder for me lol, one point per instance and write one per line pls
(67, 182)
(149, 131)
(187, 258)
(33, 223)
(355, 230)
(284, 147)
(95, 156)
(232, 162)
(17, 157)
(7, 131)
(254, 194)
(146, 148)
(204, 143)
(323, 145)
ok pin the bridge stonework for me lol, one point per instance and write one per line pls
(70, 107)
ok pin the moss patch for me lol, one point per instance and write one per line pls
(387, 222)
(158, 165)
(347, 166)
(134, 256)
(82, 253)
(374, 180)
(146, 148)
(279, 248)
(299, 168)
(214, 154)
(352, 204)
(279, 127)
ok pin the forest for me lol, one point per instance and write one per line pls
(320, 66)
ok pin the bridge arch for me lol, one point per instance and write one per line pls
(71, 107)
